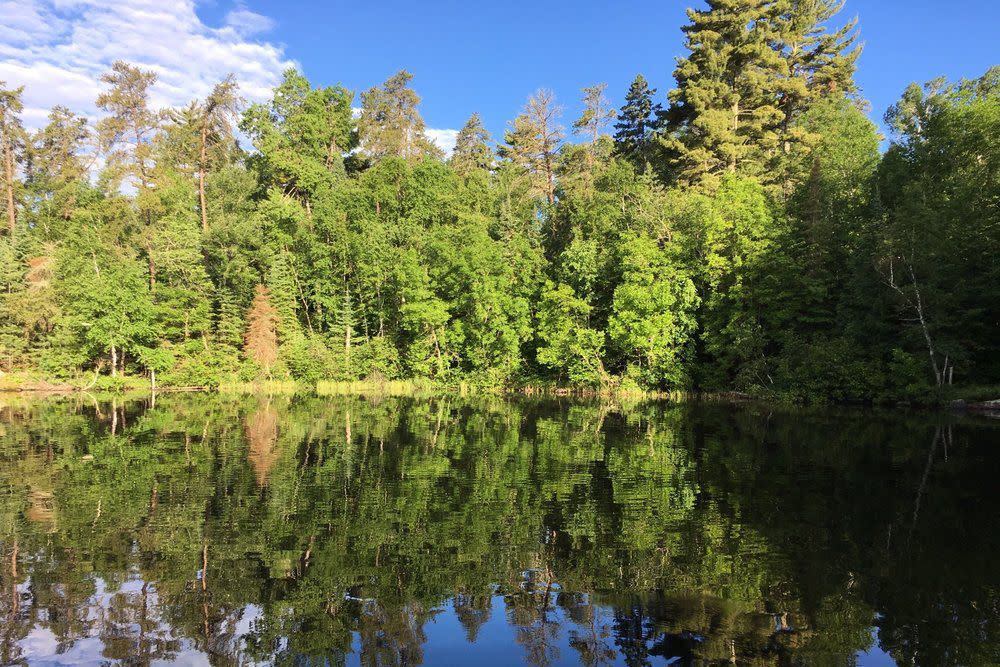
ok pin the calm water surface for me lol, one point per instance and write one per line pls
(360, 531)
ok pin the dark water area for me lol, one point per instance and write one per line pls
(361, 531)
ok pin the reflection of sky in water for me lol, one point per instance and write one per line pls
(446, 640)
(875, 656)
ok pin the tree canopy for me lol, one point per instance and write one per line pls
(742, 232)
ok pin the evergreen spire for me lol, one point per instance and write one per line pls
(636, 122)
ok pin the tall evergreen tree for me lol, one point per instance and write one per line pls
(753, 67)
(12, 145)
(597, 113)
(637, 121)
(390, 123)
(56, 164)
(724, 113)
(215, 132)
(472, 147)
(820, 63)
(533, 140)
(127, 131)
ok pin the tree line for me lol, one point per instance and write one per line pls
(743, 232)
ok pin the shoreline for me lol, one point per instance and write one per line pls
(42, 388)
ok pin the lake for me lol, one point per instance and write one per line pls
(207, 529)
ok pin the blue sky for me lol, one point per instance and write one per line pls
(466, 56)
(488, 56)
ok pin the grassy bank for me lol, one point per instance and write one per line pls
(970, 396)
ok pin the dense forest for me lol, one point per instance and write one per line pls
(744, 231)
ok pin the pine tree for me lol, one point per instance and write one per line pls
(390, 124)
(261, 340)
(55, 166)
(472, 147)
(284, 295)
(533, 141)
(230, 323)
(724, 113)
(754, 65)
(215, 132)
(820, 63)
(126, 133)
(12, 144)
(597, 113)
(637, 121)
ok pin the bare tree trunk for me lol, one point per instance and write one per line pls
(8, 160)
(204, 567)
(919, 307)
(114, 361)
(201, 178)
(347, 326)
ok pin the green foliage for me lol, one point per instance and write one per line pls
(751, 237)
(652, 319)
(637, 122)
(568, 346)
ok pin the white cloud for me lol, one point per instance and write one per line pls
(246, 22)
(443, 139)
(58, 49)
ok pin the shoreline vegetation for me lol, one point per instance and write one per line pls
(742, 234)
(971, 399)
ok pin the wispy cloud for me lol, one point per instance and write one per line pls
(246, 22)
(57, 49)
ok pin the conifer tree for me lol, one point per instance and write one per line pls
(597, 113)
(230, 324)
(754, 65)
(215, 132)
(533, 141)
(724, 113)
(390, 124)
(56, 167)
(126, 133)
(472, 147)
(820, 63)
(637, 120)
(261, 340)
(283, 289)
(12, 145)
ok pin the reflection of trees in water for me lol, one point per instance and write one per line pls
(472, 612)
(697, 534)
(530, 611)
(262, 436)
